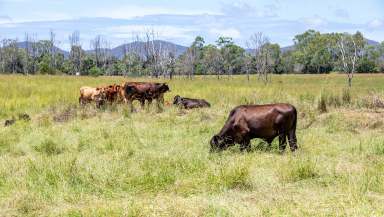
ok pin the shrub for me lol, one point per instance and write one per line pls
(346, 96)
(95, 71)
(49, 147)
(322, 103)
(298, 169)
(372, 101)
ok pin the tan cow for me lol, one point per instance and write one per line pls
(92, 94)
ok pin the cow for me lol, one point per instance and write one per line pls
(112, 93)
(188, 103)
(143, 91)
(22, 117)
(266, 122)
(92, 94)
(9, 122)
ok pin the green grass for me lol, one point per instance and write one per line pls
(71, 161)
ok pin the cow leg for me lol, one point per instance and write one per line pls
(292, 140)
(160, 103)
(282, 142)
(269, 142)
(245, 145)
(142, 103)
(130, 105)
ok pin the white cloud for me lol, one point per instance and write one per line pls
(315, 21)
(131, 11)
(376, 23)
(162, 31)
(227, 32)
(241, 8)
(5, 19)
(341, 13)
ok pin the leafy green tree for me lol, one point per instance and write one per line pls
(95, 71)
(314, 51)
(44, 65)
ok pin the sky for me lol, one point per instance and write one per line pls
(181, 21)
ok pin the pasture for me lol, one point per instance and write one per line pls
(73, 161)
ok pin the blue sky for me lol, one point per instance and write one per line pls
(181, 21)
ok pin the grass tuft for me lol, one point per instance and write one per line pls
(297, 170)
(49, 147)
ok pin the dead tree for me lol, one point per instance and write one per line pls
(34, 52)
(350, 49)
(52, 48)
(1, 57)
(10, 55)
(76, 52)
(27, 53)
(96, 46)
(153, 52)
(261, 54)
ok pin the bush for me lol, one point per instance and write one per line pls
(322, 103)
(95, 71)
(372, 101)
(335, 100)
(346, 96)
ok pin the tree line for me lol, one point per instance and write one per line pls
(312, 53)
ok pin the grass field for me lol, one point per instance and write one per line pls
(71, 161)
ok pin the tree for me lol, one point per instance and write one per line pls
(350, 47)
(76, 52)
(248, 65)
(314, 51)
(262, 55)
(212, 60)
(52, 49)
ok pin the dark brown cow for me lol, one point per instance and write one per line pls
(258, 121)
(143, 91)
(9, 122)
(188, 103)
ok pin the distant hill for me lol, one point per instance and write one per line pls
(23, 45)
(372, 42)
(139, 47)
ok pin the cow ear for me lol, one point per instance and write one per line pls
(241, 125)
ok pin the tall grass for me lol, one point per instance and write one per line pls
(72, 161)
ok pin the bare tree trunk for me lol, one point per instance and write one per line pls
(52, 49)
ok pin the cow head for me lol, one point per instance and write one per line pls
(164, 88)
(100, 97)
(219, 143)
(177, 100)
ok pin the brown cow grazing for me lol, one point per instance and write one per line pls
(258, 121)
(91, 94)
(143, 91)
(188, 103)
